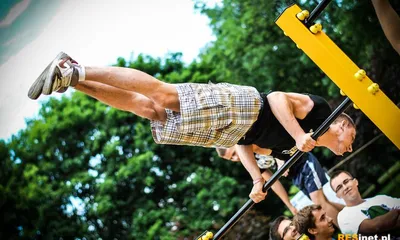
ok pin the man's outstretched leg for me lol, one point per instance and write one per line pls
(164, 94)
(205, 115)
(123, 100)
(63, 72)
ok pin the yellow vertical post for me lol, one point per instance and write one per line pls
(352, 80)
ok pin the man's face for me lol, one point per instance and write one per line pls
(287, 231)
(230, 154)
(345, 186)
(345, 138)
(323, 224)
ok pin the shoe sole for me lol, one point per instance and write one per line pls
(51, 72)
(44, 78)
(36, 89)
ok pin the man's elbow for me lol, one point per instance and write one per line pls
(373, 228)
(376, 226)
(396, 47)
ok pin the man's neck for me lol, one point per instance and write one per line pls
(355, 202)
(326, 139)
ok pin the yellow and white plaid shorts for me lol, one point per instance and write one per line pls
(211, 115)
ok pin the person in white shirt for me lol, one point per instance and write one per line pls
(379, 214)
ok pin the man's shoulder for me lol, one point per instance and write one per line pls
(345, 211)
(321, 107)
(345, 219)
(316, 98)
(350, 218)
(380, 198)
(370, 207)
(384, 200)
(348, 211)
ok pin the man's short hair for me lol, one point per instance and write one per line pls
(337, 173)
(221, 151)
(346, 118)
(273, 231)
(304, 219)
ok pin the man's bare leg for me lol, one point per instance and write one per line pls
(63, 72)
(163, 94)
(123, 100)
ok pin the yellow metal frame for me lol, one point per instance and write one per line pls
(344, 73)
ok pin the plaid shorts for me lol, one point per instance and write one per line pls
(211, 115)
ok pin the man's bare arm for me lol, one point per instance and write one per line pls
(287, 107)
(278, 188)
(386, 222)
(248, 160)
(390, 22)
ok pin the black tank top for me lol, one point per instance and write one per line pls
(267, 132)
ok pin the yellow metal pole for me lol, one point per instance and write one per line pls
(352, 80)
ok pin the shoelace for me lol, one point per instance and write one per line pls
(66, 73)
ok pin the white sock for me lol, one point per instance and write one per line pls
(81, 71)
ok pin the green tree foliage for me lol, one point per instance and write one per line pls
(251, 49)
(83, 170)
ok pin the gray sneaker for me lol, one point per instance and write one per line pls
(58, 76)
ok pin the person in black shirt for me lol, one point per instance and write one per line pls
(283, 121)
(285, 124)
(207, 115)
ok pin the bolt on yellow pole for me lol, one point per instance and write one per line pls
(205, 236)
(352, 80)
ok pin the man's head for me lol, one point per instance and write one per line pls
(344, 130)
(313, 221)
(345, 186)
(283, 229)
(228, 153)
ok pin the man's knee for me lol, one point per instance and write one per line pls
(167, 97)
